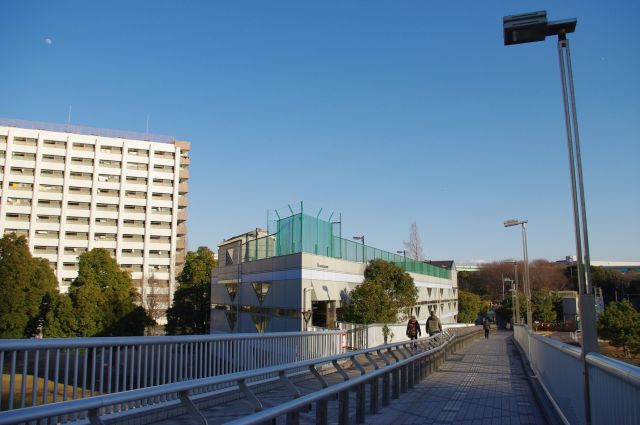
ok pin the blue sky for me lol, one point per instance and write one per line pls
(386, 111)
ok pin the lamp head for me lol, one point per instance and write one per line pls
(514, 222)
(533, 26)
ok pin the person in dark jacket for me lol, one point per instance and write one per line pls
(413, 328)
(433, 324)
(486, 324)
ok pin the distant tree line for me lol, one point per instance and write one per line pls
(619, 323)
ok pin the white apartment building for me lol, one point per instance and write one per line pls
(70, 189)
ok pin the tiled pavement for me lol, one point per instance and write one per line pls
(484, 385)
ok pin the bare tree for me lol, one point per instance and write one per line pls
(154, 300)
(414, 244)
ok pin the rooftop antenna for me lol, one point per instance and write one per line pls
(69, 116)
(147, 125)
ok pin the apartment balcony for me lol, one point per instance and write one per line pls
(45, 250)
(182, 229)
(181, 243)
(185, 160)
(182, 201)
(183, 187)
(182, 214)
(184, 173)
(21, 162)
(54, 227)
(51, 180)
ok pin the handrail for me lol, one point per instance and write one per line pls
(92, 405)
(559, 345)
(84, 367)
(92, 342)
(624, 371)
(300, 402)
(614, 386)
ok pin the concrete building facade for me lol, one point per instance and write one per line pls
(299, 276)
(70, 189)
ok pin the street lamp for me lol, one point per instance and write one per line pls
(515, 277)
(514, 298)
(361, 238)
(533, 27)
(527, 284)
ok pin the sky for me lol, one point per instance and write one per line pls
(387, 112)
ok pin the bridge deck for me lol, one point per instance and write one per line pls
(484, 385)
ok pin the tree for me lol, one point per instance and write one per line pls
(103, 298)
(387, 291)
(469, 306)
(545, 306)
(620, 324)
(59, 318)
(414, 244)
(26, 285)
(189, 313)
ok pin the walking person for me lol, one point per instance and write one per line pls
(413, 329)
(433, 325)
(486, 324)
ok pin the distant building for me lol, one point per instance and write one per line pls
(298, 276)
(70, 189)
(620, 266)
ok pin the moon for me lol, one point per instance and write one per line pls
(48, 41)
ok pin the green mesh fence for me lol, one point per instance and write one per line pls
(304, 233)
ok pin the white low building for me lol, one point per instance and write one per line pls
(299, 275)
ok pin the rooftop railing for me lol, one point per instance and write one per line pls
(345, 249)
(90, 131)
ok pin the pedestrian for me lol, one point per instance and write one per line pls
(413, 329)
(486, 324)
(433, 325)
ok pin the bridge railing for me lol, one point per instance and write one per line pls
(614, 386)
(36, 372)
(406, 363)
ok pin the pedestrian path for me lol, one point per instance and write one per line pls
(484, 385)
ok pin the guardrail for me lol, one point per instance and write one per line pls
(47, 371)
(614, 386)
(405, 364)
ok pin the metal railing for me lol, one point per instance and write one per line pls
(614, 386)
(90, 131)
(404, 365)
(37, 372)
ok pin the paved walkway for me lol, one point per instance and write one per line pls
(484, 385)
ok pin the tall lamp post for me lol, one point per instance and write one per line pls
(527, 285)
(515, 285)
(361, 238)
(534, 27)
(514, 298)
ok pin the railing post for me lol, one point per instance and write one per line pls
(343, 408)
(395, 393)
(373, 394)
(386, 389)
(322, 412)
(293, 418)
(360, 403)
